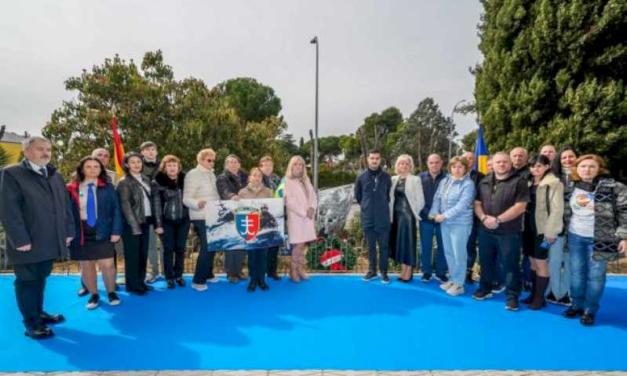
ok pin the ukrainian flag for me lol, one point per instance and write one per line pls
(280, 189)
(481, 153)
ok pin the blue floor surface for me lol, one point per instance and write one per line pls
(326, 323)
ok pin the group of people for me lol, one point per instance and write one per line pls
(96, 211)
(565, 214)
(554, 221)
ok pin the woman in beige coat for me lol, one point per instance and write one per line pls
(543, 224)
(301, 203)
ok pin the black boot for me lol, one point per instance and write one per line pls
(251, 285)
(263, 285)
(532, 294)
(539, 290)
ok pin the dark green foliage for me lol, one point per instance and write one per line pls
(554, 71)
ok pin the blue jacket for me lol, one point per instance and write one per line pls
(109, 220)
(454, 199)
(429, 186)
(372, 192)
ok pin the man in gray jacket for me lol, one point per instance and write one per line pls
(36, 214)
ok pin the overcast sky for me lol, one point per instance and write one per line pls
(373, 54)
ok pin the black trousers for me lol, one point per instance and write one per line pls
(30, 283)
(135, 256)
(257, 264)
(382, 237)
(500, 253)
(174, 239)
(204, 263)
(273, 260)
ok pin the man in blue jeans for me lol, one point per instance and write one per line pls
(430, 180)
(502, 198)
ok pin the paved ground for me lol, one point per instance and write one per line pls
(328, 373)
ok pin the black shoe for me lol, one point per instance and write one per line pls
(385, 279)
(82, 292)
(93, 301)
(527, 286)
(139, 292)
(263, 285)
(370, 276)
(426, 277)
(170, 283)
(551, 298)
(497, 288)
(565, 301)
(587, 319)
(114, 299)
(180, 282)
(251, 286)
(39, 332)
(571, 313)
(47, 318)
(274, 276)
(146, 287)
(482, 295)
(441, 278)
(512, 304)
(402, 279)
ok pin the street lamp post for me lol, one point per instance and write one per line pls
(316, 165)
(450, 136)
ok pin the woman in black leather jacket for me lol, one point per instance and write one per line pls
(137, 209)
(229, 183)
(173, 215)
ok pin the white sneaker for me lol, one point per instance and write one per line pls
(213, 280)
(446, 285)
(120, 281)
(159, 277)
(199, 287)
(455, 290)
(150, 278)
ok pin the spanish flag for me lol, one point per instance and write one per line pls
(481, 153)
(118, 149)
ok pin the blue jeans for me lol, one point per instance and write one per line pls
(500, 253)
(587, 275)
(559, 269)
(427, 230)
(455, 239)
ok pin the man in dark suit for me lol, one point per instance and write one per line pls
(36, 214)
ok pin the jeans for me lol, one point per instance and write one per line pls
(204, 264)
(559, 269)
(382, 237)
(587, 279)
(174, 239)
(257, 264)
(427, 230)
(30, 283)
(504, 249)
(455, 240)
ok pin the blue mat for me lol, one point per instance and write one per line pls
(326, 323)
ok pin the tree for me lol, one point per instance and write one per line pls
(425, 132)
(4, 157)
(554, 71)
(372, 134)
(182, 117)
(469, 140)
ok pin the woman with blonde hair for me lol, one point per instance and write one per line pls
(301, 203)
(406, 202)
(199, 189)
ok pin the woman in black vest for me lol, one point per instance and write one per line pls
(173, 215)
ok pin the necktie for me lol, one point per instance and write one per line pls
(91, 205)
(43, 172)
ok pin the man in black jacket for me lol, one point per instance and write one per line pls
(271, 181)
(372, 192)
(36, 214)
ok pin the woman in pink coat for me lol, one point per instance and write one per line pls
(301, 202)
